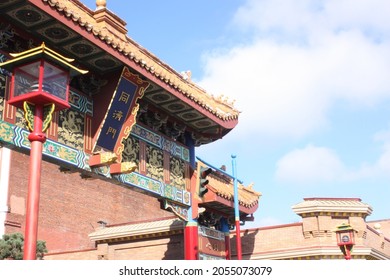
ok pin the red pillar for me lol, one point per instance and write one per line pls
(37, 138)
(238, 240)
(236, 208)
(191, 241)
(227, 246)
(226, 230)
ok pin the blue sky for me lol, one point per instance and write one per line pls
(311, 79)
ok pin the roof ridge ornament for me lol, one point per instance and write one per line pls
(101, 4)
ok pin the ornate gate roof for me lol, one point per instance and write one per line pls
(99, 41)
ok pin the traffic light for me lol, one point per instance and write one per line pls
(203, 181)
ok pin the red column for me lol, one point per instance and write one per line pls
(227, 246)
(37, 138)
(191, 241)
(238, 240)
(236, 209)
(226, 230)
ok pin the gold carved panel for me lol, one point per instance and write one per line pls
(19, 119)
(131, 151)
(177, 172)
(155, 163)
(71, 128)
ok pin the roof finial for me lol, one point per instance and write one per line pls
(100, 4)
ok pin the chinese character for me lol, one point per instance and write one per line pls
(112, 131)
(124, 97)
(118, 115)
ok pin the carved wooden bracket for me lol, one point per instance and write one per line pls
(123, 167)
(101, 159)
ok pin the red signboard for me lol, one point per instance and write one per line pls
(211, 244)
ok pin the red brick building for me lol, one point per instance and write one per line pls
(313, 238)
(71, 207)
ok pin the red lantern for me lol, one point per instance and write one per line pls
(345, 235)
(40, 76)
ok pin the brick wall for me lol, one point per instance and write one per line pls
(70, 206)
(169, 248)
(266, 239)
(313, 238)
(165, 248)
(90, 254)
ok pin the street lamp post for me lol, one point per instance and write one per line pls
(236, 201)
(39, 85)
(236, 209)
(345, 235)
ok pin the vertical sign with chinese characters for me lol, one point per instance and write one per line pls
(121, 113)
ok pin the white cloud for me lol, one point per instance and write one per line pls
(383, 163)
(313, 164)
(311, 17)
(303, 57)
(310, 165)
(369, 16)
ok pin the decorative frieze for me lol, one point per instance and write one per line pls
(332, 214)
(154, 186)
(178, 210)
(161, 142)
(80, 103)
(16, 137)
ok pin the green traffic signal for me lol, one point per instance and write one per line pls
(203, 173)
